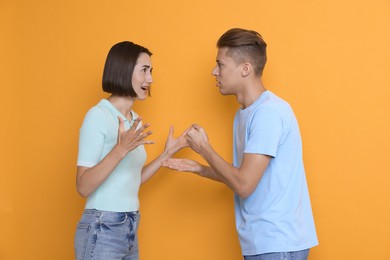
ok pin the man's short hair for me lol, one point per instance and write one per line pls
(245, 46)
(119, 67)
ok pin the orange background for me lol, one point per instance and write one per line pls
(329, 59)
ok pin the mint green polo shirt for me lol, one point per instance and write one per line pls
(98, 135)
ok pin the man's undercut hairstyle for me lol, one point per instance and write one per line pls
(245, 46)
(119, 67)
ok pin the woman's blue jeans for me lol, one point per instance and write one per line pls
(296, 255)
(102, 235)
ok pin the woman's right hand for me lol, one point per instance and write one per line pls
(130, 139)
(183, 165)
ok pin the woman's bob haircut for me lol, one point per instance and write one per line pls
(119, 67)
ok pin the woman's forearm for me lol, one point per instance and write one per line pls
(151, 168)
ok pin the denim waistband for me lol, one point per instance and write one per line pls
(97, 212)
(99, 216)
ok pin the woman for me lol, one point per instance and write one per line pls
(110, 166)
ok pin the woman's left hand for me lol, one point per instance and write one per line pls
(173, 145)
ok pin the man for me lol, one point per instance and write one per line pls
(272, 205)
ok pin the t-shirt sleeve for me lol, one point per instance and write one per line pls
(264, 133)
(91, 140)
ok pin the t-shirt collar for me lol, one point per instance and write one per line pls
(258, 100)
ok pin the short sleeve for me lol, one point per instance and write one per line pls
(91, 139)
(264, 132)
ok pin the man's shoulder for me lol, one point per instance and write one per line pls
(272, 106)
(273, 102)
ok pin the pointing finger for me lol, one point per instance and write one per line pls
(186, 131)
(196, 127)
(171, 130)
(136, 123)
(144, 135)
(148, 142)
(141, 129)
(121, 128)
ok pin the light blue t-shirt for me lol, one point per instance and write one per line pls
(98, 135)
(277, 216)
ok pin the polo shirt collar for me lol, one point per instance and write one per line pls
(115, 112)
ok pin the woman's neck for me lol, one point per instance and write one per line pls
(123, 104)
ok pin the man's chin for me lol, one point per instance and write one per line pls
(224, 93)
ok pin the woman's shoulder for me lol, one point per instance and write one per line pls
(96, 115)
(95, 112)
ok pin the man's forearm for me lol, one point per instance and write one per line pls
(209, 173)
(219, 169)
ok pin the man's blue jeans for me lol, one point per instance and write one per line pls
(103, 235)
(296, 255)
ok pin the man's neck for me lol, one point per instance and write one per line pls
(250, 93)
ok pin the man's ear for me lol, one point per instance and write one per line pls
(246, 69)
